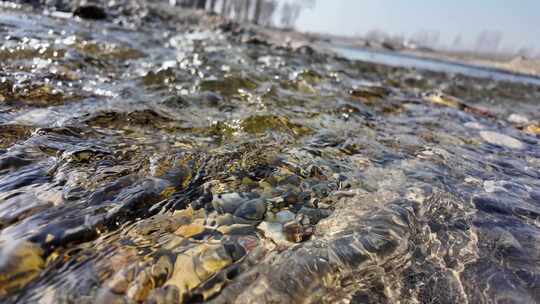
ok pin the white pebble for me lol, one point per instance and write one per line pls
(518, 119)
(274, 231)
(501, 140)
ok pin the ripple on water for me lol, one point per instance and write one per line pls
(185, 161)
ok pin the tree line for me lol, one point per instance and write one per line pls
(262, 12)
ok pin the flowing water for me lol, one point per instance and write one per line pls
(404, 60)
(180, 158)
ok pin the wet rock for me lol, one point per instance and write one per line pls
(240, 229)
(229, 202)
(107, 296)
(159, 78)
(119, 282)
(226, 219)
(274, 231)
(370, 93)
(501, 140)
(492, 204)
(262, 124)
(196, 265)
(10, 134)
(517, 119)
(211, 99)
(184, 276)
(474, 125)
(190, 230)
(321, 190)
(313, 214)
(175, 102)
(285, 216)
(252, 210)
(533, 129)
(140, 288)
(90, 12)
(20, 263)
(270, 216)
(296, 232)
(229, 86)
(162, 269)
(167, 295)
(442, 99)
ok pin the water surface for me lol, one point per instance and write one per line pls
(177, 158)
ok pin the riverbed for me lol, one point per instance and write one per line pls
(179, 158)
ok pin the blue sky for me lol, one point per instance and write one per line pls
(517, 21)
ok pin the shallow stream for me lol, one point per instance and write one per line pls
(182, 159)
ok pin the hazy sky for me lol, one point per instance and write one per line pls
(518, 21)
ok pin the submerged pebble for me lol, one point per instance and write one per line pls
(20, 263)
(517, 119)
(501, 140)
(274, 232)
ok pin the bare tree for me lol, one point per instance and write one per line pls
(376, 35)
(267, 12)
(426, 38)
(224, 7)
(260, 11)
(257, 11)
(212, 5)
(289, 14)
(488, 41)
(200, 4)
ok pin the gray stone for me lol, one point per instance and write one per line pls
(229, 202)
(501, 140)
(285, 216)
(252, 210)
(274, 232)
(518, 119)
(314, 215)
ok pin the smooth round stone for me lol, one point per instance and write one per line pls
(518, 119)
(295, 232)
(229, 202)
(501, 140)
(474, 125)
(224, 220)
(321, 190)
(314, 215)
(274, 232)
(252, 210)
(19, 265)
(285, 216)
(236, 229)
(190, 230)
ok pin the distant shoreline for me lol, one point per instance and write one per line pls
(504, 63)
